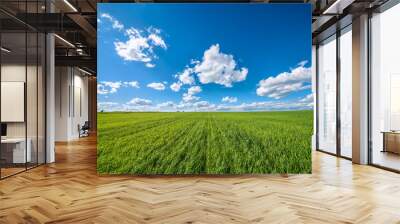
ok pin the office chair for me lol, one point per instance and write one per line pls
(84, 130)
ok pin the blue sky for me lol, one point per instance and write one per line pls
(204, 57)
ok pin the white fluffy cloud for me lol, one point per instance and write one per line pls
(285, 83)
(194, 90)
(217, 67)
(166, 104)
(197, 106)
(186, 76)
(309, 100)
(115, 23)
(139, 102)
(254, 106)
(106, 106)
(156, 85)
(189, 98)
(229, 99)
(266, 106)
(109, 87)
(134, 84)
(157, 40)
(150, 65)
(204, 105)
(190, 95)
(140, 45)
(176, 86)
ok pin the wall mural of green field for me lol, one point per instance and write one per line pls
(205, 142)
(216, 89)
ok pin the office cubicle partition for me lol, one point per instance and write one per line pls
(22, 77)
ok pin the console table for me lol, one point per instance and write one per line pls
(391, 141)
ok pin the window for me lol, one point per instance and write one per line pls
(327, 95)
(385, 89)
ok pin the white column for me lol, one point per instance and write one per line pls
(360, 90)
(50, 100)
(50, 92)
(314, 92)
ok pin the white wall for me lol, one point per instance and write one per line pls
(71, 102)
(13, 101)
(33, 127)
(14, 73)
(17, 73)
(80, 110)
(62, 82)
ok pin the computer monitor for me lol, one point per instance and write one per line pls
(3, 129)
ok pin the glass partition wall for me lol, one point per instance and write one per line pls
(13, 88)
(385, 89)
(22, 78)
(334, 84)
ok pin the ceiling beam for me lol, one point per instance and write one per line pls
(86, 26)
(78, 61)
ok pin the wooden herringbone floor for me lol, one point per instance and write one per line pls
(70, 191)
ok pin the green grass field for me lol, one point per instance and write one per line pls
(204, 142)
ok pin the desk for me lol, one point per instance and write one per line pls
(391, 141)
(18, 150)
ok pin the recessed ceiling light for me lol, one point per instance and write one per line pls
(84, 71)
(64, 40)
(70, 5)
(5, 50)
(337, 7)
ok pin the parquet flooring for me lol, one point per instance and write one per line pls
(70, 191)
(10, 171)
